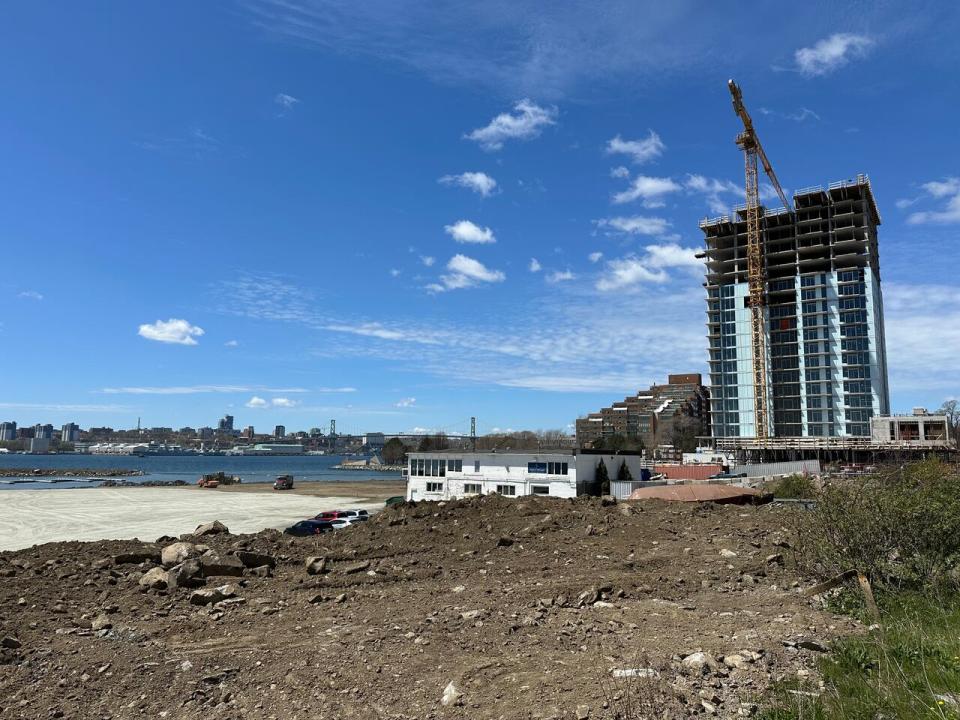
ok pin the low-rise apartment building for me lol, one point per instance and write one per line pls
(450, 474)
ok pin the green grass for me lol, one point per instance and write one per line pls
(894, 672)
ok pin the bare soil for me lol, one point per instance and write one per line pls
(526, 607)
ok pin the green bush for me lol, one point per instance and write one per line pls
(901, 527)
(794, 486)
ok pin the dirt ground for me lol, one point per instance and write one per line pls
(487, 608)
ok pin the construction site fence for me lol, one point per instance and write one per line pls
(791, 467)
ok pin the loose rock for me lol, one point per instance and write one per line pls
(213, 528)
(154, 579)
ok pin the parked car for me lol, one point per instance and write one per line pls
(305, 528)
(341, 523)
(395, 500)
(727, 475)
(283, 482)
(343, 514)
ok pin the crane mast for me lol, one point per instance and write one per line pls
(748, 141)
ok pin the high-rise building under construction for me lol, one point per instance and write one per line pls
(826, 360)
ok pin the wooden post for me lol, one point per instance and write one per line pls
(868, 596)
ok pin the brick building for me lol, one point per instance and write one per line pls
(651, 416)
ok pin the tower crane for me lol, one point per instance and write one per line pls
(756, 272)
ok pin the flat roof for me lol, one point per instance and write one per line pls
(495, 453)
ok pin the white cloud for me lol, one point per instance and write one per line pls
(479, 182)
(535, 265)
(649, 190)
(406, 402)
(627, 271)
(395, 272)
(712, 189)
(798, 116)
(474, 269)
(257, 402)
(176, 331)
(30, 295)
(949, 189)
(904, 203)
(943, 188)
(595, 257)
(231, 343)
(636, 225)
(287, 102)
(558, 276)
(923, 342)
(619, 172)
(428, 260)
(673, 255)
(639, 151)
(526, 123)
(831, 53)
(633, 270)
(527, 348)
(465, 272)
(201, 389)
(464, 231)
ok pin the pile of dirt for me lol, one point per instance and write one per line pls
(487, 608)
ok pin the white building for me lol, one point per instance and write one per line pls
(920, 429)
(450, 474)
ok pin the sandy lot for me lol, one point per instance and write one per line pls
(41, 516)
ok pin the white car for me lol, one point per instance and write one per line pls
(341, 523)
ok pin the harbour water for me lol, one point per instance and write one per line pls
(167, 468)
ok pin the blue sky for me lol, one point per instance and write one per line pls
(400, 215)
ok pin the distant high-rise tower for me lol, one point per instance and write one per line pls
(826, 350)
(225, 424)
(8, 431)
(70, 433)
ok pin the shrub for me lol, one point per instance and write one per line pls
(901, 527)
(794, 486)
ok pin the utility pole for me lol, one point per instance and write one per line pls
(473, 434)
(333, 435)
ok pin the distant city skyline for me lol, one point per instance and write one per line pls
(219, 209)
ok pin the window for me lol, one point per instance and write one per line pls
(454, 465)
(540, 489)
(471, 488)
(856, 289)
(547, 468)
(434, 487)
(476, 466)
(507, 489)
